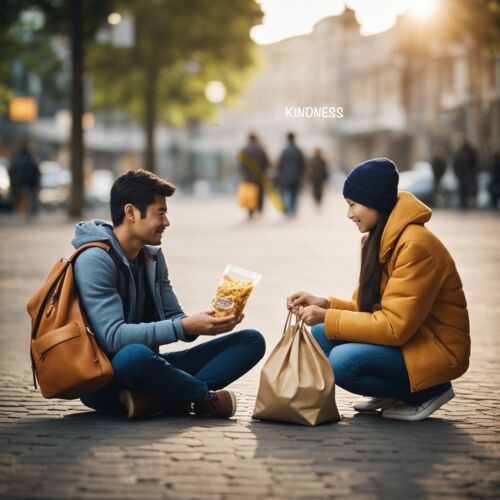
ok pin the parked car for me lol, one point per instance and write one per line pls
(55, 182)
(420, 181)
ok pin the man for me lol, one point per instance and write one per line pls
(438, 165)
(253, 166)
(25, 178)
(133, 310)
(494, 183)
(290, 171)
(465, 165)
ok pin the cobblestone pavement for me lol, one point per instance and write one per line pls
(57, 449)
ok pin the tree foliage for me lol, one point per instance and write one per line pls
(25, 47)
(27, 42)
(171, 36)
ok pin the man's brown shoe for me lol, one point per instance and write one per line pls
(217, 404)
(143, 404)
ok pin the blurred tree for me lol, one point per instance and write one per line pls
(25, 49)
(179, 47)
(77, 19)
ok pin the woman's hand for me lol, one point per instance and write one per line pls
(312, 315)
(300, 300)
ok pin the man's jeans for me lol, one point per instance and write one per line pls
(372, 370)
(180, 376)
(290, 197)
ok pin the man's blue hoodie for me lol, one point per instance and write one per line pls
(104, 294)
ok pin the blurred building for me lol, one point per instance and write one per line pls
(366, 97)
(392, 104)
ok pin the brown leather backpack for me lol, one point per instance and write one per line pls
(65, 357)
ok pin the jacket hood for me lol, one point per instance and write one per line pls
(96, 230)
(408, 210)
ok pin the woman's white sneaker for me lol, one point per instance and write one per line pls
(373, 404)
(414, 413)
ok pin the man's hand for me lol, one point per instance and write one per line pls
(300, 300)
(312, 315)
(205, 323)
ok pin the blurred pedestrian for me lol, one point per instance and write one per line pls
(291, 168)
(438, 164)
(318, 175)
(465, 167)
(254, 164)
(494, 184)
(15, 187)
(25, 177)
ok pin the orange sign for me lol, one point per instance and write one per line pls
(22, 109)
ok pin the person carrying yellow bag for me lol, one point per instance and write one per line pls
(254, 163)
(405, 334)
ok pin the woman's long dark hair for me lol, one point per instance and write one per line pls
(370, 274)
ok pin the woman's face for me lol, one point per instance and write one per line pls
(364, 217)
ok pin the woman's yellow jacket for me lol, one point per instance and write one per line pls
(423, 309)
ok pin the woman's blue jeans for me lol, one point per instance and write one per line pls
(183, 375)
(372, 370)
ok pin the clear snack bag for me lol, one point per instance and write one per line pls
(233, 291)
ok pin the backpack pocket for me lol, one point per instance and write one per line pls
(42, 345)
(68, 363)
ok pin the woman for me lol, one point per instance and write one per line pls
(405, 334)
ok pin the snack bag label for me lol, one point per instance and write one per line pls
(223, 303)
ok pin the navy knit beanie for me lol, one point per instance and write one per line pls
(373, 183)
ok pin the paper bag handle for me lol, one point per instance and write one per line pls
(288, 322)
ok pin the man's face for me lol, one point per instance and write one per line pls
(150, 229)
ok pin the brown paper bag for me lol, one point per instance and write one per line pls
(297, 383)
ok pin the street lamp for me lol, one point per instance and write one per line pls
(215, 92)
(114, 18)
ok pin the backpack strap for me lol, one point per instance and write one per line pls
(58, 281)
(98, 244)
(111, 253)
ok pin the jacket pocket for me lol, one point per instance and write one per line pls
(448, 355)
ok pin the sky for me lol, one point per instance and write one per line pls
(286, 18)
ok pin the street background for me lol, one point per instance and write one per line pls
(58, 449)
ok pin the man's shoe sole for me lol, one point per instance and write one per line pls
(440, 401)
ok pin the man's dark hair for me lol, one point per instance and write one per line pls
(290, 137)
(139, 188)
